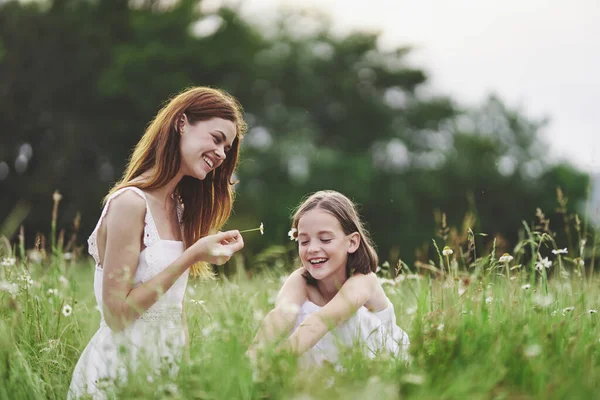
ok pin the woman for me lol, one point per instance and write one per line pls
(157, 225)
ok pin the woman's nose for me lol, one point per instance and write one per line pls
(220, 153)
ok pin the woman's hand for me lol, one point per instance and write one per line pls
(217, 249)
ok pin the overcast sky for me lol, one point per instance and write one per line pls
(541, 56)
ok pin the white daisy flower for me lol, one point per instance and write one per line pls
(526, 286)
(506, 258)
(8, 262)
(560, 251)
(67, 310)
(293, 234)
(543, 263)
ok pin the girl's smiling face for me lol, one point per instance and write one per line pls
(323, 246)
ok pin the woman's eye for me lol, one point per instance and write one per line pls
(304, 243)
(325, 240)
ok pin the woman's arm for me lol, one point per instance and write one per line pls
(123, 304)
(354, 293)
(281, 319)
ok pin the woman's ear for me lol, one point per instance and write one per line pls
(180, 123)
(354, 242)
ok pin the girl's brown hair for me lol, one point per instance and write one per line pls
(208, 202)
(364, 260)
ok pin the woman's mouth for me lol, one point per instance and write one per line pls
(208, 162)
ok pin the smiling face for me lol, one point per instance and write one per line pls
(323, 246)
(204, 145)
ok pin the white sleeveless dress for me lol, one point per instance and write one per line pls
(375, 332)
(155, 339)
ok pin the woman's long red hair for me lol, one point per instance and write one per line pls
(208, 202)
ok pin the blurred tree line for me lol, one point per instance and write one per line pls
(80, 80)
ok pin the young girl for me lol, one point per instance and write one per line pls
(335, 298)
(158, 223)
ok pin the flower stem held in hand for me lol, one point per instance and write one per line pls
(261, 228)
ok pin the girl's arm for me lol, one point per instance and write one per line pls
(123, 304)
(354, 293)
(281, 319)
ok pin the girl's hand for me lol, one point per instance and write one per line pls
(217, 249)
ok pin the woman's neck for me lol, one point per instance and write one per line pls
(165, 192)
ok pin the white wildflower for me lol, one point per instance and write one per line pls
(8, 262)
(440, 327)
(261, 228)
(489, 299)
(411, 310)
(67, 310)
(293, 234)
(53, 292)
(560, 251)
(10, 288)
(447, 251)
(506, 258)
(25, 278)
(543, 301)
(63, 280)
(526, 286)
(68, 256)
(543, 263)
(197, 302)
(533, 350)
(592, 311)
(568, 309)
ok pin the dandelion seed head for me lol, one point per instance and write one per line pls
(533, 350)
(447, 251)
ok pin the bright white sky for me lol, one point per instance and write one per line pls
(540, 55)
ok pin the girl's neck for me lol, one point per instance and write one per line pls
(331, 285)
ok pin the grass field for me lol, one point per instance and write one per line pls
(492, 330)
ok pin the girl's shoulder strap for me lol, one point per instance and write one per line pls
(150, 231)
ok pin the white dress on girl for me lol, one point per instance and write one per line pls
(155, 339)
(374, 332)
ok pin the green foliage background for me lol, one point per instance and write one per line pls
(79, 81)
